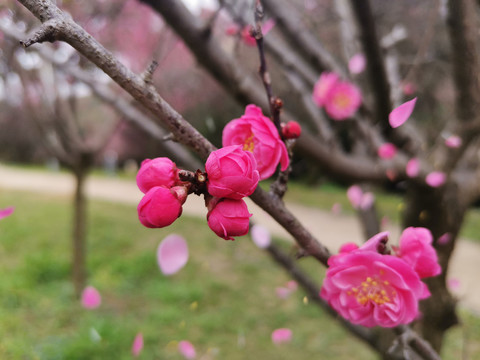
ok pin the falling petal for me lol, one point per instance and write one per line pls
(282, 335)
(282, 292)
(387, 151)
(453, 141)
(400, 114)
(357, 63)
(261, 236)
(444, 239)
(172, 254)
(355, 194)
(367, 201)
(336, 208)
(453, 284)
(413, 167)
(91, 298)
(186, 349)
(137, 345)
(435, 179)
(6, 212)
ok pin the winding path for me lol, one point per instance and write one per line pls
(331, 229)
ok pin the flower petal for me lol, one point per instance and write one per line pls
(91, 298)
(137, 345)
(187, 349)
(172, 254)
(6, 212)
(400, 114)
(261, 236)
(282, 335)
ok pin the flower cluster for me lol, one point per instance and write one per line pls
(369, 287)
(341, 99)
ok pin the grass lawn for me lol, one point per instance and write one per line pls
(223, 301)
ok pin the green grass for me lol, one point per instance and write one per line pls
(223, 300)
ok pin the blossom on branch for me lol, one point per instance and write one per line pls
(228, 217)
(160, 207)
(157, 172)
(257, 134)
(232, 173)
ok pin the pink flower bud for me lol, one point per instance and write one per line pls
(157, 172)
(291, 130)
(159, 207)
(231, 173)
(228, 218)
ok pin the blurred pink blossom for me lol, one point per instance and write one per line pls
(187, 350)
(400, 114)
(357, 63)
(436, 179)
(444, 239)
(323, 86)
(343, 100)
(354, 195)
(453, 141)
(367, 201)
(282, 335)
(387, 151)
(409, 88)
(413, 167)
(137, 345)
(248, 39)
(6, 212)
(91, 298)
(282, 292)
(172, 254)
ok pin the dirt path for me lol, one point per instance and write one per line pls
(331, 229)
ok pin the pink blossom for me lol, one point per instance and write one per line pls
(159, 207)
(232, 29)
(355, 194)
(291, 130)
(400, 114)
(415, 248)
(343, 100)
(436, 179)
(453, 141)
(137, 345)
(231, 172)
(348, 247)
(261, 236)
(323, 86)
(387, 151)
(257, 134)
(157, 172)
(248, 39)
(187, 350)
(413, 167)
(357, 64)
(172, 254)
(282, 335)
(371, 289)
(367, 201)
(228, 217)
(91, 298)
(6, 212)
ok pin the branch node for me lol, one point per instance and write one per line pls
(169, 137)
(147, 75)
(48, 31)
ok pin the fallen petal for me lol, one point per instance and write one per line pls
(186, 349)
(91, 298)
(261, 236)
(282, 335)
(400, 114)
(172, 254)
(413, 167)
(137, 344)
(6, 212)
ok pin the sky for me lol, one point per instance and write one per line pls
(196, 5)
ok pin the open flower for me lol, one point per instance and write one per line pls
(160, 207)
(231, 173)
(371, 289)
(228, 217)
(323, 86)
(157, 172)
(257, 134)
(415, 248)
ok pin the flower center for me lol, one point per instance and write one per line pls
(342, 101)
(373, 290)
(248, 145)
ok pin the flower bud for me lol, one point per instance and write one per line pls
(291, 130)
(159, 207)
(228, 218)
(231, 172)
(157, 172)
